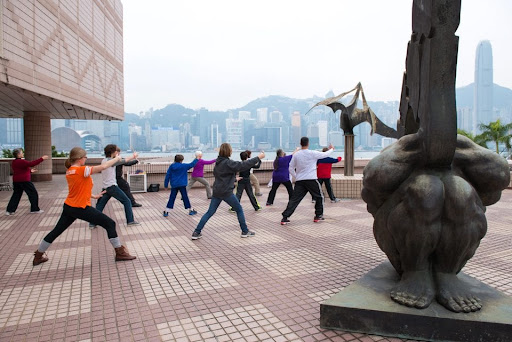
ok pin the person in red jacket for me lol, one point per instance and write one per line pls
(323, 172)
(21, 170)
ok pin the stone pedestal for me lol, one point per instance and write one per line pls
(349, 155)
(38, 142)
(366, 307)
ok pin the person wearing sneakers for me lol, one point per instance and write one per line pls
(21, 170)
(122, 183)
(177, 176)
(198, 174)
(244, 183)
(323, 172)
(224, 172)
(78, 205)
(111, 188)
(303, 169)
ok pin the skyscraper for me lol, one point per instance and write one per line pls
(483, 97)
(296, 129)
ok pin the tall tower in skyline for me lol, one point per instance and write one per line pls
(483, 96)
(296, 129)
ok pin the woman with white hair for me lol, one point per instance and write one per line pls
(198, 174)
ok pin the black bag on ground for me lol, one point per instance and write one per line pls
(154, 188)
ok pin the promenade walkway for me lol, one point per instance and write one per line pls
(218, 288)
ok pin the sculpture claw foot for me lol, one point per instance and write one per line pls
(454, 295)
(415, 289)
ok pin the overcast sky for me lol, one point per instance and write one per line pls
(222, 54)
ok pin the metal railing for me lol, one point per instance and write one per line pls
(5, 178)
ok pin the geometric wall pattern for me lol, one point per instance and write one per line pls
(64, 57)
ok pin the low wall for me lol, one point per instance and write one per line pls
(155, 172)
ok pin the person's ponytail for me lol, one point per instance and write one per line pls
(75, 154)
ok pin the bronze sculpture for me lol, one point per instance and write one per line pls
(350, 117)
(428, 191)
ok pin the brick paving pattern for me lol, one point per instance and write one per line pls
(218, 288)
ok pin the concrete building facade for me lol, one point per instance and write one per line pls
(59, 59)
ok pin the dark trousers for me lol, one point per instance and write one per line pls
(123, 185)
(184, 197)
(88, 214)
(301, 189)
(272, 193)
(245, 184)
(118, 194)
(31, 192)
(328, 186)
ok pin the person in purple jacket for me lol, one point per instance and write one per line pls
(198, 174)
(280, 175)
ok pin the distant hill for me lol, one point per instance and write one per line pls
(285, 105)
(173, 115)
(502, 96)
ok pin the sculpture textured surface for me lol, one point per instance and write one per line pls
(428, 191)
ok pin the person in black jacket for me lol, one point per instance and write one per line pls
(224, 172)
(122, 183)
(244, 183)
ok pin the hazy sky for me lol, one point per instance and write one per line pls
(221, 54)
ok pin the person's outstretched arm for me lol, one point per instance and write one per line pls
(329, 160)
(191, 165)
(34, 162)
(110, 163)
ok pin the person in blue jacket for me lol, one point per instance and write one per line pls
(177, 176)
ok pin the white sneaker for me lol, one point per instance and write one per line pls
(37, 212)
(8, 213)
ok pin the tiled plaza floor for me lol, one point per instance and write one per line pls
(218, 288)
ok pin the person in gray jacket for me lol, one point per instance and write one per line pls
(225, 172)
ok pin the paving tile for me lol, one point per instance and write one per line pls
(170, 331)
(264, 237)
(59, 259)
(292, 263)
(28, 304)
(73, 233)
(218, 288)
(181, 279)
(168, 246)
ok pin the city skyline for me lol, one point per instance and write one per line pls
(230, 52)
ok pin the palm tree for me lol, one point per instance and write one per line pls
(476, 139)
(497, 132)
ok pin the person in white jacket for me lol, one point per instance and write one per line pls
(303, 170)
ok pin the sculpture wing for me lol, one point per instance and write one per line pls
(380, 127)
(334, 99)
